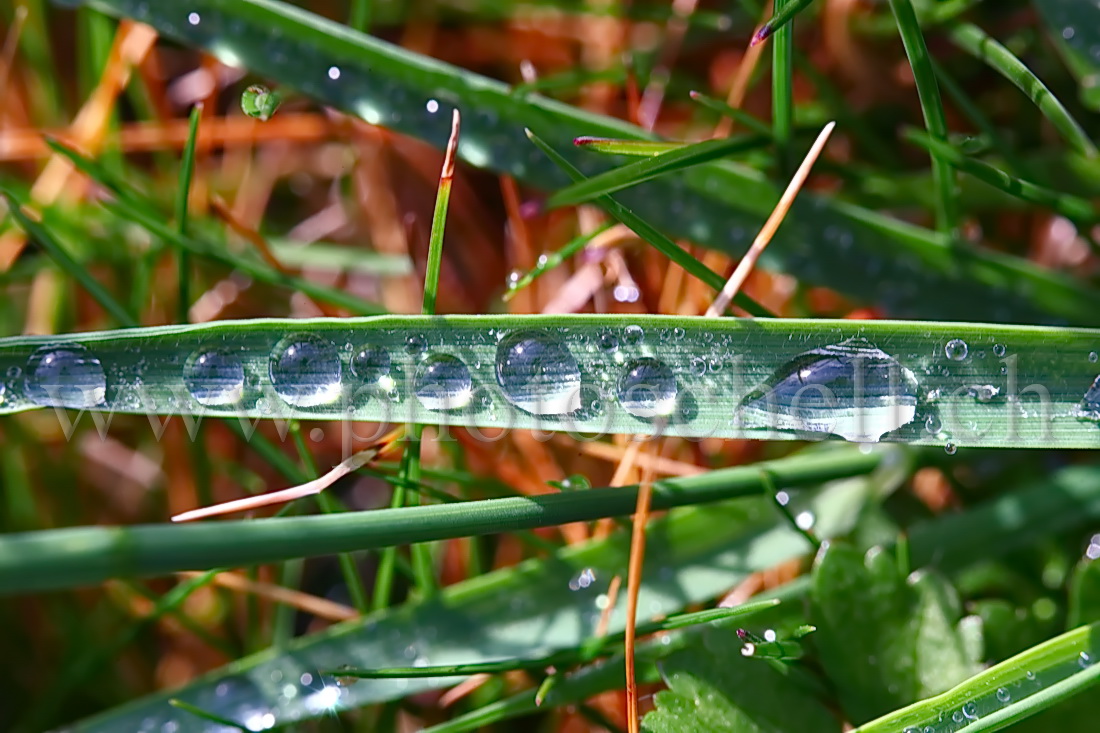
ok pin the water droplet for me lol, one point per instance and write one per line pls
(804, 521)
(999, 349)
(65, 376)
(513, 279)
(956, 350)
(334, 72)
(432, 106)
(932, 424)
(1093, 356)
(537, 373)
(678, 333)
(415, 344)
(1003, 695)
(259, 102)
(586, 578)
(1068, 32)
(214, 378)
(633, 335)
(345, 680)
(14, 372)
(699, 366)
(647, 388)
(305, 372)
(194, 18)
(851, 389)
(1084, 660)
(371, 364)
(443, 383)
(970, 710)
(950, 449)
(609, 342)
(1089, 408)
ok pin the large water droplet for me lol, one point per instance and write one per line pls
(647, 388)
(956, 349)
(65, 376)
(537, 373)
(443, 383)
(305, 372)
(1089, 407)
(371, 364)
(214, 378)
(851, 389)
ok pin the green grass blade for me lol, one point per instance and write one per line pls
(81, 556)
(1008, 692)
(650, 168)
(183, 193)
(980, 45)
(983, 385)
(60, 255)
(784, 13)
(783, 91)
(549, 261)
(637, 148)
(738, 115)
(1072, 207)
(718, 204)
(947, 215)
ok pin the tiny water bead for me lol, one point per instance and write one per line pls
(956, 349)
(65, 376)
(306, 371)
(1003, 695)
(443, 383)
(852, 389)
(372, 365)
(214, 378)
(538, 374)
(647, 388)
(633, 335)
(259, 102)
(609, 342)
(415, 344)
(950, 449)
(1093, 357)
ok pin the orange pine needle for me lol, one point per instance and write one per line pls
(744, 267)
(633, 585)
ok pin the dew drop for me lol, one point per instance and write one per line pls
(633, 335)
(305, 372)
(647, 388)
(415, 344)
(513, 279)
(932, 424)
(537, 373)
(432, 106)
(194, 18)
(1089, 407)
(214, 378)
(259, 102)
(1093, 356)
(65, 376)
(999, 349)
(371, 364)
(609, 342)
(584, 579)
(678, 333)
(14, 372)
(851, 389)
(699, 366)
(1084, 660)
(443, 383)
(334, 72)
(970, 711)
(1003, 695)
(956, 349)
(950, 449)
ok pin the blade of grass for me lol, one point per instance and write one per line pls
(652, 167)
(1072, 207)
(662, 243)
(783, 90)
(738, 115)
(554, 259)
(947, 215)
(980, 45)
(60, 255)
(639, 148)
(784, 13)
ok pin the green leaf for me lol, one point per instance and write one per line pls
(712, 687)
(885, 641)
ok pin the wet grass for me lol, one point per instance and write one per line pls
(469, 576)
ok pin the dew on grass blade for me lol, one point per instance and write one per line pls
(305, 371)
(633, 335)
(65, 376)
(852, 389)
(1089, 407)
(538, 374)
(956, 349)
(259, 102)
(372, 365)
(647, 388)
(443, 383)
(214, 378)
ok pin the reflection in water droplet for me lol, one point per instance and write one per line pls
(214, 378)
(537, 373)
(259, 102)
(852, 389)
(647, 388)
(956, 349)
(65, 376)
(443, 383)
(371, 364)
(305, 372)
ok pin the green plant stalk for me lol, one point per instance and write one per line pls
(555, 259)
(1007, 692)
(183, 194)
(980, 45)
(48, 559)
(1072, 207)
(784, 13)
(947, 215)
(783, 91)
(738, 115)
(64, 260)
